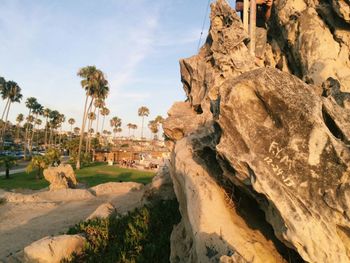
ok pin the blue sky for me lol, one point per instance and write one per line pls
(137, 43)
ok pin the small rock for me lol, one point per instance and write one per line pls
(103, 211)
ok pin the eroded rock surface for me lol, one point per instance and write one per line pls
(61, 177)
(268, 180)
(54, 249)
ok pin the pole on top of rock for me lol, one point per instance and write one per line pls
(252, 25)
(245, 15)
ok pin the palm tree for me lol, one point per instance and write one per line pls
(99, 104)
(71, 121)
(37, 110)
(159, 120)
(104, 112)
(12, 92)
(129, 127)
(142, 112)
(76, 130)
(95, 84)
(91, 117)
(134, 127)
(46, 114)
(38, 122)
(153, 126)
(31, 102)
(61, 120)
(53, 124)
(19, 120)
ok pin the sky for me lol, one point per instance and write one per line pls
(136, 43)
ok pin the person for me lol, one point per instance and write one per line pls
(263, 14)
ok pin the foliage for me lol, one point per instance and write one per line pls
(142, 235)
(40, 162)
(8, 162)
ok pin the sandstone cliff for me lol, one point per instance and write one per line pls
(268, 180)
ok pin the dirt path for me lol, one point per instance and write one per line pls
(24, 223)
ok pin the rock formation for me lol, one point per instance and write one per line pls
(61, 177)
(103, 211)
(54, 249)
(268, 179)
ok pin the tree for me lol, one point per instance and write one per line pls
(129, 125)
(11, 92)
(104, 112)
(54, 120)
(134, 127)
(31, 102)
(71, 122)
(37, 110)
(76, 130)
(19, 120)
(95, 85)
(91, 117)
(40, 162)
(46, 114)
(153, 126)
(143, 112)
(99, 104)
(8, 162)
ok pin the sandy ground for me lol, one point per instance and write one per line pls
(23, 223)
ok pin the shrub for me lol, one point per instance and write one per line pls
(142, 235)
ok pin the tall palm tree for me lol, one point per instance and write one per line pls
(46, 114)
(37, 110)
(153, 126)
(31, 102)
(93, 81)
(134, 127)
(54, 119)
(91, 117)
(99, 104)
(38, 122)
(76, 130)
(19, 120)
(61, 120)
(104, 112)
(129, 125)
(71, 122)
(12, 92)
(142, 112)
(159, 120)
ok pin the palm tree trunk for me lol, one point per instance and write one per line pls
(82, 133)
(17, 132)
(71, 131)
(46, 133)
(26, 138)
(3, 113)
(31, 140)
(98, 119)
(103, 123)
(142, 127)
(7, 175)
(5, 125)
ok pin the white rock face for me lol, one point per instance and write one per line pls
(53, 249)
(103, 211)
(115, 188)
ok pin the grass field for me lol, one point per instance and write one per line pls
(91, 176)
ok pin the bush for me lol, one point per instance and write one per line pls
(142, 235)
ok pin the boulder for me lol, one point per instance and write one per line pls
(268, 179)
(161, 187)
(54, 249)
(61, 177)
(115, 188)
(103, 211)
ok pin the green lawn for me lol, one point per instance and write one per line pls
(93, 175)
